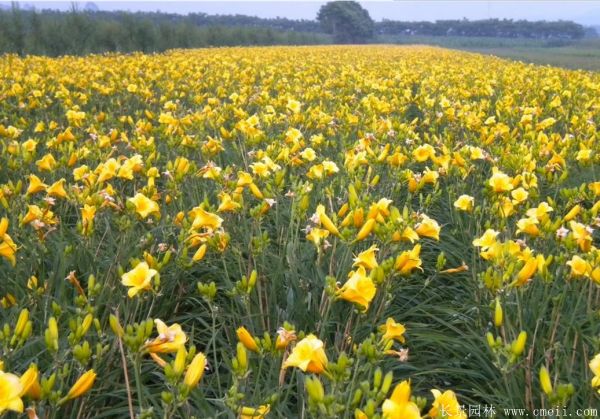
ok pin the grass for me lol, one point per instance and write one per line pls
(576, 55)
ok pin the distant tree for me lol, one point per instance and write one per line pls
(347, 21)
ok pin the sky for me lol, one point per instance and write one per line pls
(585, 12)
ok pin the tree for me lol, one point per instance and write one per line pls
(347, 21)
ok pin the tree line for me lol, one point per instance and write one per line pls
(499, 28)
(51, 32)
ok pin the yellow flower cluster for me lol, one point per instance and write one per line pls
(314, 195)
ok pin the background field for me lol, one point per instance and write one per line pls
(583, 54)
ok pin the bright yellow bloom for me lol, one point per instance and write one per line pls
(488, 239)
(527, 271)
(8, 248)
(572, 213)
(545, 381)
(595, 367)
(10, 393)
(254, 413)
(519, 195)
(138, 279)
(57, 189)
(308, 355)
(393, 330)
(366, 229)
(367, 258)
(82, 385)
(227, 203)
(144, 206)
(316, 235)
(326, 221)
(169, 339)
(35, 185)
(195, 370)
(47, 163)
(205, 220)
(464, 203)
(528, 226)
(399, 406)
(200, 253)
(428, 227)
(247, 339)
(446, 403)
(29, 381)
(500, 182)
(582, 235)
(579, 266)
(409, 260)
(358, 289)
(423, 153)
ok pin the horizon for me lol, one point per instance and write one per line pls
(580, 11)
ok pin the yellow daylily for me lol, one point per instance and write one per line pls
(308, 355)
(138, 279)
(358, 289)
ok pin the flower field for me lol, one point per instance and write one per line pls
(367, 232)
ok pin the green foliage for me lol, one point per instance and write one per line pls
(82, 32)
(347, 21)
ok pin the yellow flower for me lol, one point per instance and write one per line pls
(423, 153)
(464, 203)
(528, 226)
(527, 271)
(358, 289)
(199, 254)
(409, 260)
(247, 339)
(57, 189)
(393, 330)
(579, 266)
(144, 206)
(595, 367)
(88, 212)
(366, 229)
(10, 393)
(254, 413)
(500, 182)
(138, 279)
(488, 239)
(367, 258)
(204, 219)
(582, 235)
(35, 185)
(195, 371)
(519, 195)
(399, 406)
(308, 355)
(446, 404)
(47, 163)
(540, 212)
(428, 227)
(284, 338)
(572, 213)
(326, 221)
(82, 385)
(8, 248)
(30, 383)
(227, 203)
(316, 235)
(545, 381)
(169, 339)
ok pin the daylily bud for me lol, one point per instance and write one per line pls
(545, 381)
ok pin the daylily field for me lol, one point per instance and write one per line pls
(330, 232)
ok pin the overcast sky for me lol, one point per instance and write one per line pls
(586, 12)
